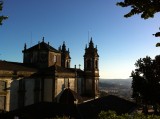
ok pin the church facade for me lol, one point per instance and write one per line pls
(45, 74)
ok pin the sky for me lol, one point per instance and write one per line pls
(120, 41)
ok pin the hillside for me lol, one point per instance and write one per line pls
(119, 87)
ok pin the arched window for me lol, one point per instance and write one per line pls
(68, 66)
(96, 64)
(88, 63)
(54, 59)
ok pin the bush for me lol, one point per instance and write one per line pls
(112, 115)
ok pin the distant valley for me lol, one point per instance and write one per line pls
(119, 87)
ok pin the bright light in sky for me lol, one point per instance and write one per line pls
(120, 41)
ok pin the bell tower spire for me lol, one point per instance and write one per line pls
(91, 70)
(65, 56)
(91, 44)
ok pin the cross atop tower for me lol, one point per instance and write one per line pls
(79, 66)
(43, 39)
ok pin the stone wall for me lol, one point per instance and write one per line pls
(59, 86)
(54, 58)
(14, 94)
(48, 88)
(89, 85)
(29, 94)
(80, 85)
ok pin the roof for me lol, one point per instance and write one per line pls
(92, 108)
(87, 110)
(15, 66)
(42, 46)
(60, 70)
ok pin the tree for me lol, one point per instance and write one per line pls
(2, 17)
(146, 82)
(147, 9)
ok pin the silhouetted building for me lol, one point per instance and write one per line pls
(46, 76)
(86, 110)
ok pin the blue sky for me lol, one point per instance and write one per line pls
(120, 41)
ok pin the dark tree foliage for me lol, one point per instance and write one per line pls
(146, 81)
(2, 17)
(147, 9)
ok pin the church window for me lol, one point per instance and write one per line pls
(96, 85)
(31, 58)
(67, 63)
(55, 58)
(96, 64)
(88, 64)
(2, 95)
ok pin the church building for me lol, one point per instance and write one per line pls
(46, 75)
